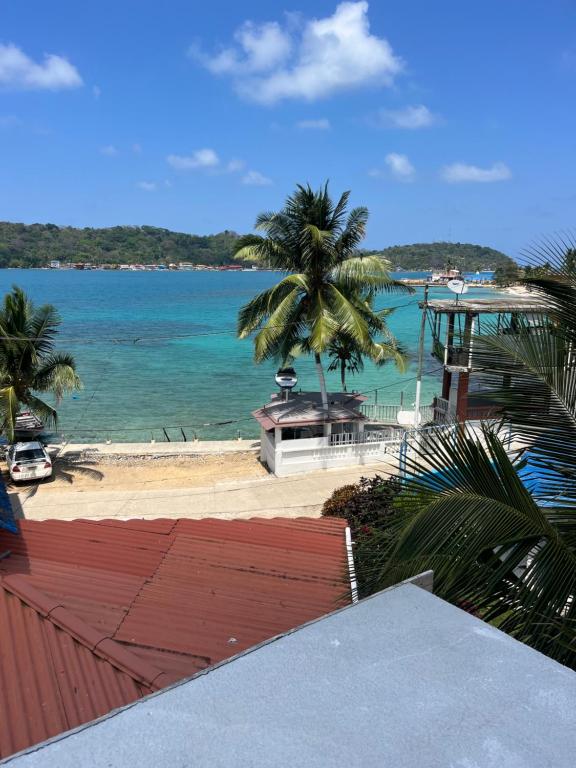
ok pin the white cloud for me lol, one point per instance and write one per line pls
(235, 165)
(410, 117)
(256, 179)
(201, 158)
(314, 125)
(109, 150)
(311, 61)
(19, 71)
(462, 172)
(96, 92)
(260, 48)
(400, 167)
(147, 186)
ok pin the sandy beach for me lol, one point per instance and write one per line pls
(138, 472)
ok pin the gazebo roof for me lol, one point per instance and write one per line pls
(304, 409)
(494, 305)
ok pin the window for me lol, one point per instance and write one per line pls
(31, 454)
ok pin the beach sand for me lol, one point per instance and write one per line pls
(132, 473)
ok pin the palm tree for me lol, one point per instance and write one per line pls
(28, 362)
(499, 528)
(347, 356)
(315, 241)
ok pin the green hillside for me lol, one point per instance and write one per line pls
(35, 245)
(464, 256)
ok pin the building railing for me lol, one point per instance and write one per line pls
(383, 413)
(444, 413)
(369, 436)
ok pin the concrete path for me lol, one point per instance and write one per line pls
(301, 495)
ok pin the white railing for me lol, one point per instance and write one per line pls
(442, 411)
(369, 436)
(292, 456)
(383, 413)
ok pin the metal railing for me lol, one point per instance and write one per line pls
(382, 413)
(369, 436)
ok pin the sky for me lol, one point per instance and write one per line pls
(449, 120)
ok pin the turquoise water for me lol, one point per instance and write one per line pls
(134, 390)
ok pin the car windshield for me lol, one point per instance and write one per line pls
(30, 454)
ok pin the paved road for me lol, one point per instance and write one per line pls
(301, 495)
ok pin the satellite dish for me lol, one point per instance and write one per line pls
(457, 286)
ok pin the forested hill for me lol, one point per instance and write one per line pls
(35, 245)
(464, 256)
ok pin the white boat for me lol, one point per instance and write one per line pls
(27, 425)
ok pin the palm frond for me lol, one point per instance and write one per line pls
(9, 407)
(363, 273)
(466, 512)
(57, 374)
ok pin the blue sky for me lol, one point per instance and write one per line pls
(449, 120)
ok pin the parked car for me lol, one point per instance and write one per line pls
(28, 461)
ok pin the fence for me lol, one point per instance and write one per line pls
(382, 413)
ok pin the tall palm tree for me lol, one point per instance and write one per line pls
(28, 362)
(347, 355)
(316, 241)
(499, 529)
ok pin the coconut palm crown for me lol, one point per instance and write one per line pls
(28, 362)
(316, 241)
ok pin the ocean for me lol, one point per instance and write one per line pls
(158, 353)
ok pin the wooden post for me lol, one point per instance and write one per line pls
(462, 396)
(464, 376)
(446, 384)
(420, 358)
(449, 338)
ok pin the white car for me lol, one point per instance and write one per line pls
(28, 461)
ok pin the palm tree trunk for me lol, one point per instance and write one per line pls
(343, 374)
(322, 380)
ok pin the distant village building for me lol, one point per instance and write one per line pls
(55, 264)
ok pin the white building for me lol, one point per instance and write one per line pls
(299, 435)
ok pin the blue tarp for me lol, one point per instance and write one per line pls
(7, 521)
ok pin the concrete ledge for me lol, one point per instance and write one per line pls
(201, 448)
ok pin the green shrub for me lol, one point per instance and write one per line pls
(367, 507)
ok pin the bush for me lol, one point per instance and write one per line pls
(368, 508)
(366, 505)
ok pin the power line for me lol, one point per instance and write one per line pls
(228, 422)
(162, 337)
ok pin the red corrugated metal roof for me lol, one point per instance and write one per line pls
(94, 615)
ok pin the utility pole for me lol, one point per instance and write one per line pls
(420, 358)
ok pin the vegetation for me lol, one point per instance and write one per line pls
(499, 531)
(367, 506)
(463, 256)
(325, 296)
(36, 245)
(347, 356)
(509, 274)
(28, 362)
